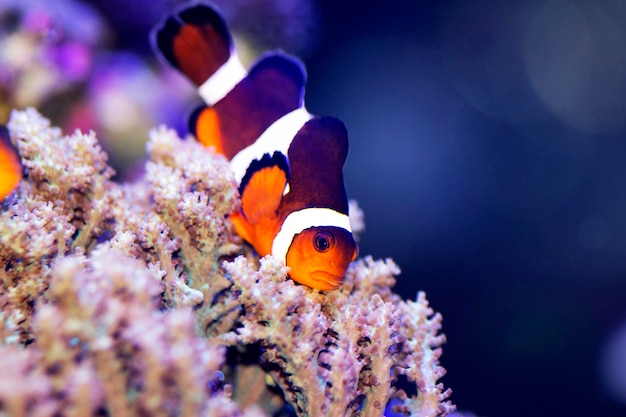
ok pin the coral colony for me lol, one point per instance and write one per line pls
(140, 299)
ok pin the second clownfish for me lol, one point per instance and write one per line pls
(10, 167)
(288, 163)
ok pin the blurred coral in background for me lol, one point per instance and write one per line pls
(59, 56)
(125, 97)
(47, 49)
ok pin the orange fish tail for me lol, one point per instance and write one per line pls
(196, 41)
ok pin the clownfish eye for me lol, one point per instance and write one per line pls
(323, 241)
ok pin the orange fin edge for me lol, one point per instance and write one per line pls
(205, 125)
(262, 187)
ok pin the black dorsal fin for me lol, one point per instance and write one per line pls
(316, 158)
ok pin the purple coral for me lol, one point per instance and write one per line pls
(101, 342)
(339, 353)
(46, 47)
(100, 279)
(91, 267)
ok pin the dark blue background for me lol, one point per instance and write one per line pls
(511, 220)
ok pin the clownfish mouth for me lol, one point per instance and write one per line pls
(327, 280)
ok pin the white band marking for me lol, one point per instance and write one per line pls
(300, 220)
(277, 137)
(223, 80)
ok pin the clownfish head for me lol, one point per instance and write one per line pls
(319, 256)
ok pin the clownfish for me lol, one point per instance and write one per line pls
(288, 163)
(10, 167)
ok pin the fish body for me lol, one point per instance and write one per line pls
(10, 167)
(287, 162)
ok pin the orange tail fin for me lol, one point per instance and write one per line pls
(195, 40)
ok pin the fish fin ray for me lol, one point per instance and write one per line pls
(205, 126)
(262, 187)
(195, 41)
(243, 228)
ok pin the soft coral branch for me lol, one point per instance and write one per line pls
(100, 278)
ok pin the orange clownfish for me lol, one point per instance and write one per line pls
(10, 167)
(288, 163)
